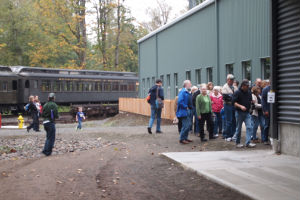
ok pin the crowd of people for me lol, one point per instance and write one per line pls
(223, 109)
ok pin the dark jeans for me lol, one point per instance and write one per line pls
(50, 138)
(35, 122)
(266, 129)
(179, 124)
(196, 124)
(230, 123)
(206, 117)
(217, 123)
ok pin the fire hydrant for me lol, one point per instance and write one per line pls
(21, 121)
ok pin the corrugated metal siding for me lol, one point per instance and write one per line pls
(288, 60)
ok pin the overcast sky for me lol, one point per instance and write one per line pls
(138, 7)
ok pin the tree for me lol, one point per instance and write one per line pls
(159, 15)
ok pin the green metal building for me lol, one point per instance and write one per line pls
(211, 40)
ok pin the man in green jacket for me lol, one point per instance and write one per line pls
(204, 110)
(50, 113)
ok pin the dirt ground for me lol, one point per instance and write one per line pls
(128, 165)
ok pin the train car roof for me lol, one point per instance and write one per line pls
(6, 71)
(67, 72)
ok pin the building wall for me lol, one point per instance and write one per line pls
(224, 32)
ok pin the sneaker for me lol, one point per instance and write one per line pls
(159, 132)
(239, 146)
(149, 130)
(250, 145)
(217, 135)
(203, 140)
(228, 139)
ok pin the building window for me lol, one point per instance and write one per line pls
(265, 62)
(168, 80)
(148, 83)
(246, 70)
(176, 83)
(229, 69)
(168, 86)
(209, 73)
(198, 76)
(162, 79)
(143, 86)
(188, 75)
(153, 80)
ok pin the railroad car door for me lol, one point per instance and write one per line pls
(26, 89)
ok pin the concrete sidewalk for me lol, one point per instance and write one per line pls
(259, 174)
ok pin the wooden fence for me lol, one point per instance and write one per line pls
(141, 106)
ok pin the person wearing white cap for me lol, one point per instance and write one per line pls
(229, 110)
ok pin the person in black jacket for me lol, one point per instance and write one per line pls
(242, 100)
(32, 110)
(156, 92)
(196, 124)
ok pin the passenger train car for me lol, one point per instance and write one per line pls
(69, 86)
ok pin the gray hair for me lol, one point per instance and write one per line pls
(186, 82)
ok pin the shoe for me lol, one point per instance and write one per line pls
(217, 135)
(256, 141)
(159, 132)
(28, 129)
(189, 140)
(239, 146)
(203, 140)
(212, 138)
(149, 130)
(228, 139)
(183, 142)
(250, 145)
(266, 143)
(233, 139)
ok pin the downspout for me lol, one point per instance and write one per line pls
(156, 55)
(273, 117)
(139, 72)
(217, 42)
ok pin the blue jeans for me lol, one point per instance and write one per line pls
(50, 138)
(257, 121)
(240, 118)
(230, 123)
(266, 129)
(184, 133)
(79, 124)
(155, 112)
(217, 123)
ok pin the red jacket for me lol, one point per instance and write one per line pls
(216, 102)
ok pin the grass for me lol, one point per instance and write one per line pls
(64, 109)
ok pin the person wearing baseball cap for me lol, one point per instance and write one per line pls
(242, 100)
(229, 110)
(50, 113)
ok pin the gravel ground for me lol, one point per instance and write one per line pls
(109, 159)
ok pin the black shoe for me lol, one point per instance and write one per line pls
(212, 138)
(28, 129)
(45, 153)
(203, 140)
(159, 132)
(149, 130)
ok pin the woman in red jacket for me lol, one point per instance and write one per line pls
(217, 105)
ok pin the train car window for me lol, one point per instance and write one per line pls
(56, 86)
(35, 84)
(90, 87)
(69, 86)
(123, 87)
(95, 86)
(107, 86)
(27, 84)
(98, 86)
(46, 86)
(79, 86)
(14, 85)
(115, 86)
(4, 86)
(0, 85)
(131, 87)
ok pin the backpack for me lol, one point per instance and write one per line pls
(158, 102)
